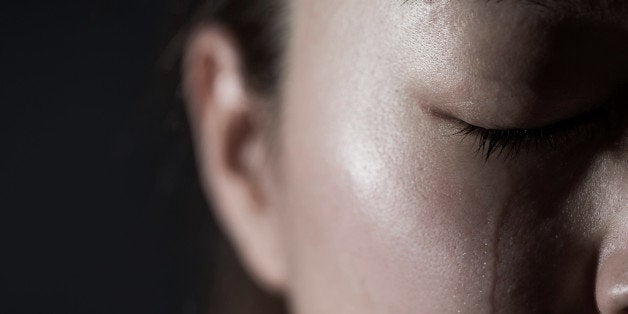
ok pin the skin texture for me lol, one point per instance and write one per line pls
(361, 198)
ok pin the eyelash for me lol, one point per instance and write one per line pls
(508, 143)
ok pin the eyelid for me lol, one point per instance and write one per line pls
(498, 140)
(581, 119)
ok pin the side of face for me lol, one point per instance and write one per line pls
(372, 200)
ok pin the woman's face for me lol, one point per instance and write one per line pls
(436, 157)
(387, 205)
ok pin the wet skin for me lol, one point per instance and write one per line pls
(387, 212)
(384, 193)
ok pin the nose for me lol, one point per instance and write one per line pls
(612, 283)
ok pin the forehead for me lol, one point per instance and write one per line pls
(606, 7)
(464, 52)
(613, 11)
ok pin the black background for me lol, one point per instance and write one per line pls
(83, 226)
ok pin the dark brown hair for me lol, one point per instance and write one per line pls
(258, 26)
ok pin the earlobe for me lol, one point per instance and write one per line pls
(231, 152)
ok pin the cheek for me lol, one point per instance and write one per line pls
(383, 210)
(378, 217)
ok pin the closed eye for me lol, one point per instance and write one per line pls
(509, 142)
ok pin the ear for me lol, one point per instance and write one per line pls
(229, 129)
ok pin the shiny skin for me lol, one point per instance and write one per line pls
(384, 210)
